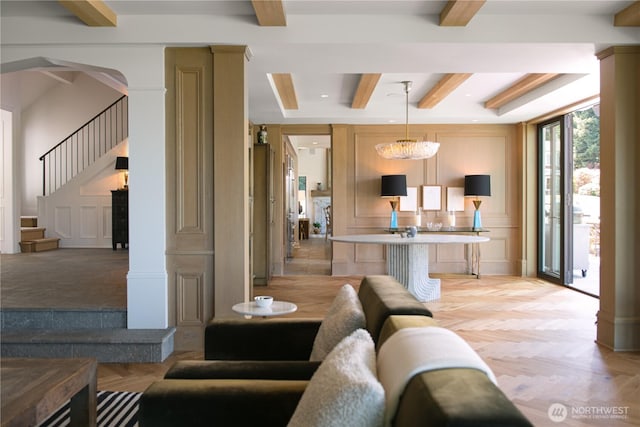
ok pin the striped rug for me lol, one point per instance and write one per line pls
(115, 409)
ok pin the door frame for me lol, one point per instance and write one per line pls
(565, 272)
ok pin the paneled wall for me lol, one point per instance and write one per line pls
(464, 150)
(189, 154)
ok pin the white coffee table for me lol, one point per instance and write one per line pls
(278, 308)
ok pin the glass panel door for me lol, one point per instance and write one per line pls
(555, 257)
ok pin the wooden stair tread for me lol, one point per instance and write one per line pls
(39, 244)
(28, 221)
(42, 240)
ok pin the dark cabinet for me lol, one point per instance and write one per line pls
(263, 204)
(119, 218)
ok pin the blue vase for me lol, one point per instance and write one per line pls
(394, 220)
(477, 222)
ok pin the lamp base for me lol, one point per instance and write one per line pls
(477, 221)
(394, 220)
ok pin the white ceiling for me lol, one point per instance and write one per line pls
(326, 45)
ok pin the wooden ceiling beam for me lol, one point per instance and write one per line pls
(629, 16)
(365, 89)
(519, 88)
(286, 91)
(458, 13)
(94, 13)
(442, 89)
(270, 13)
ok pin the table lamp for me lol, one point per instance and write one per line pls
(122, 163)
(475, 186)
(393, 186)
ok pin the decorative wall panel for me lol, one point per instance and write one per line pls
(189, 299)
(62, 224)
(464, 150)
(88, 222)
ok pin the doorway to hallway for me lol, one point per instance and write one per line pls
(311, 256)
(308, 190)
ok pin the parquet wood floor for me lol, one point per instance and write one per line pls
(537, 337)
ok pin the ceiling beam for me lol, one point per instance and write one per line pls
(458, 13)
(270, 13)
(442, 89)
(628, 17)
(538, 92)
(365, 89)
(286, 91)
(94, 13)
(519, 88)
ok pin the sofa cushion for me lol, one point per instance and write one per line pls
(344, 389)
(344, 316)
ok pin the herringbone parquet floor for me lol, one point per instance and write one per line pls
(537, 337)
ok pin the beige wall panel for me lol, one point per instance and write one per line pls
(190, 287)
(230, 166)
(189, 193)
(368, 169)
(189, 149)
(486, 155)
(190, 294)
(369, 253)
(464, 150)
(448, 253)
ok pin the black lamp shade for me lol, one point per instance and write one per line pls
(393, 185)
(122, 163)
(477, 185)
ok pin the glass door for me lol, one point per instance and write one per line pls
(554, 207)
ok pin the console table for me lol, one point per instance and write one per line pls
(408, 257)
(475, 247)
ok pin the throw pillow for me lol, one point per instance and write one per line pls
(344, 316)
(344, 390)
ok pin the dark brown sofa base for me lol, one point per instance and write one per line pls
(237, 403)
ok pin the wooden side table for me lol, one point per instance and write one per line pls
(278, 308)
(32, 389)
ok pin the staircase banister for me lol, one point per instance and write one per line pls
(77, 130)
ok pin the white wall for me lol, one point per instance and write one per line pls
(9, 229)
(50, 119)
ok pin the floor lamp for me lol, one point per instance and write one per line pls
(394, 186)
(475, 186)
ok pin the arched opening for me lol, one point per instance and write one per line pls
(51, 100)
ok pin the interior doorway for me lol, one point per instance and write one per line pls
(309, 214)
